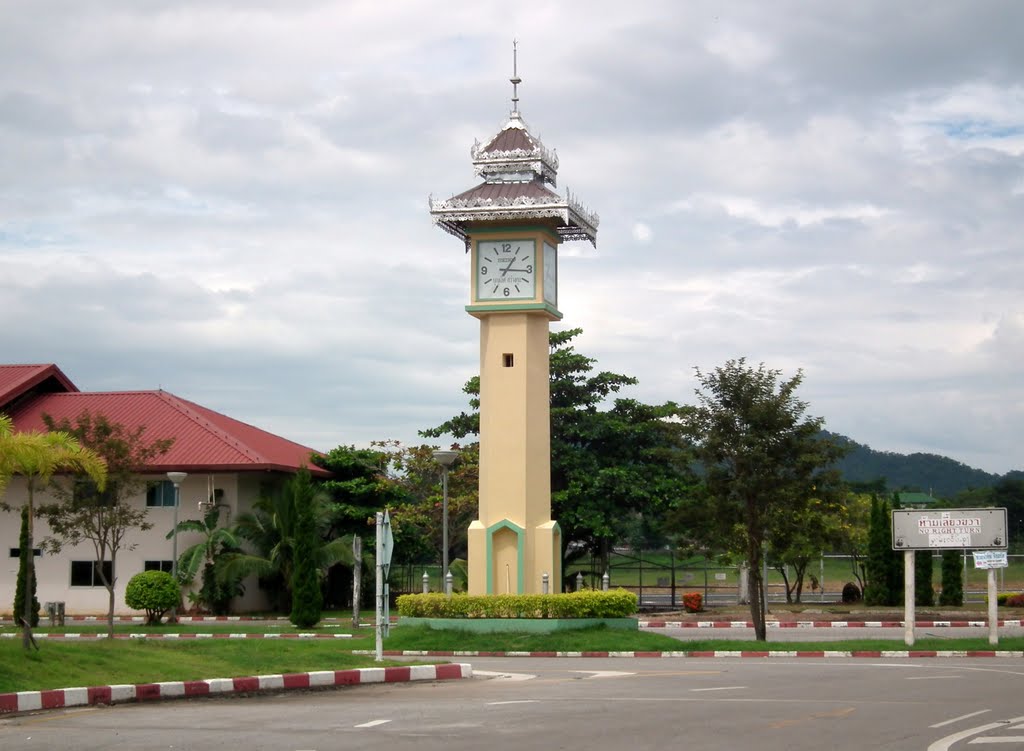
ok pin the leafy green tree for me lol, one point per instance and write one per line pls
(800, 533)
(38, 457)
(105, 518)
(924, 592)
(270, 530)
(879, 563)
(22, 588)
(307, 599)
(854, 533)
(761, 456)
(607, 464)
(156, 592)
(215, 591)
(952, 579)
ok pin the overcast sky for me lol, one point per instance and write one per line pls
(229, 200)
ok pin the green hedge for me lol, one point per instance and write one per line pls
(617, 603)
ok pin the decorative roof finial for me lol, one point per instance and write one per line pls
(516, 80)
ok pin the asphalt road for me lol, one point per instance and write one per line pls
(636, 704)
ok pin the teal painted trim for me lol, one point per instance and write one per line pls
(520, 625)
(515, 308)
(521, 553)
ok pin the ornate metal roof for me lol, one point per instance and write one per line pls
(517, 170)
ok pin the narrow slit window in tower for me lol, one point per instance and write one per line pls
(508, 360)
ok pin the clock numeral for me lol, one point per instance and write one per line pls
(506, 292)
(529, 269)
(506, 247)
(483, 270)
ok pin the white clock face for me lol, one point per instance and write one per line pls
(550, 274)
(506, 270)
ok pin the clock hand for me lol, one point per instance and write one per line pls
(511, 261)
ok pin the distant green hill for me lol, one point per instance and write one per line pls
(940, 475)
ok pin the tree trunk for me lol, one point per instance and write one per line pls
(357, 578)
(757, 593)
(27, 640)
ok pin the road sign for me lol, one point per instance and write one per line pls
(944, 529)
(990, 559)
(387, 544)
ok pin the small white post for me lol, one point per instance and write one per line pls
(908, 597)
(993, 609)
(448, 581)
(380, 588)
(605, 581)
(426, 583)
(579, 581)
(544, 585)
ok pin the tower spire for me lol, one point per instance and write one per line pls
(515, 79)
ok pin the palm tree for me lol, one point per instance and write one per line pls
(204, 556)
(38, 457)
(271, 528)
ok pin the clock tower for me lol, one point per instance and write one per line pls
(512, 225)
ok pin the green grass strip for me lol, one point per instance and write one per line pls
(60, 664)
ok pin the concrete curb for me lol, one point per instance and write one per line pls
(822, 624)
(28, 701)
(901, 653)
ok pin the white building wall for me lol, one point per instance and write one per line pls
(53, 572)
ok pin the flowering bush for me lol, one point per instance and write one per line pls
(1015, 601)
(693, 602)
(614, 604)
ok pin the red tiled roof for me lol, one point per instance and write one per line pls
(510, 139)
(508, 192)
(204, 440)
(15, 380)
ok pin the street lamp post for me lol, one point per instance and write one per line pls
(445, 459)
(177, 478)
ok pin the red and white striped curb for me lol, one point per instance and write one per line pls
(17, 635)
(902, 653)
(27, 701)
(822, 624)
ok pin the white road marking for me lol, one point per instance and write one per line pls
(930, 678)
(521, 701)
(719, 688)
(961, 717)
(603, 673)
(373, 723)
(504, 676)
(998, 739)
(944, 744)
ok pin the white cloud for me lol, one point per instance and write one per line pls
(230, 200)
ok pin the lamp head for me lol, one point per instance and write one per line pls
(445, 458)
(177, 477)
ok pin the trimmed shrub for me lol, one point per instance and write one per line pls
(617, 603)
(26, 560)
(156, 592)
(851, 592)
(1015, 601)
(693, 602)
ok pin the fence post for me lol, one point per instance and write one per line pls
(426, 583)
(672, 561)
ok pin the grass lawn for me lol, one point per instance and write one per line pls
(601, 639)
(98, 663)
(205, 627)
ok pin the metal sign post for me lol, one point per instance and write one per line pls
(385, 546)
(981, 529)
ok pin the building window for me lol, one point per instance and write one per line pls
(87, 573)
(85, 491)
(160, 493)
(16, 552)
(167, 566)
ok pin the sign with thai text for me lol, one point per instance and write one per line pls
(990, 559)
(944, 529)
